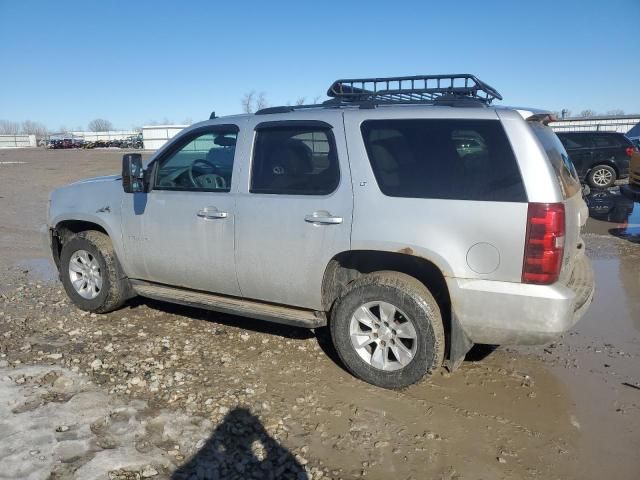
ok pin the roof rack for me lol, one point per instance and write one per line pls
(454, 89)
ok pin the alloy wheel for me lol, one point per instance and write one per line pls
(85, 275)
(383, 336)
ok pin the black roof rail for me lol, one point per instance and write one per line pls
(287, 108)
(451, 89)
(269, 110)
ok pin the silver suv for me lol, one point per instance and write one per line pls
(407, 214)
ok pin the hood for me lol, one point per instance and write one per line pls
(104, 178)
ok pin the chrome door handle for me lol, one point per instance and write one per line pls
(211, 213)
(322, 218)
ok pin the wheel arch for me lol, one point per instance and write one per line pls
(347, 266)
(607, 162)
(64, 229)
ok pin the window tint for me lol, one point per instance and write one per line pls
(294, 160)
(449, 159)
(606, 141)
(570, 140)
(204, 163)
(565, 171)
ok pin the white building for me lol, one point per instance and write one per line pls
(17, 141)
(155, 136)
(628, 124)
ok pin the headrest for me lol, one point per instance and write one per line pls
(223, 141)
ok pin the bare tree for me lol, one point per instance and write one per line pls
(100, 125)
(261, 101)
(34, 128)
(587, 113)
(247, 101)
(303, 100)
(63, 129)
(252, 101)
(8, 127)
(615, 111)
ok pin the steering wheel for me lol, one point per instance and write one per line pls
(215, 180)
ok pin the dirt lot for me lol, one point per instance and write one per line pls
(160, 391)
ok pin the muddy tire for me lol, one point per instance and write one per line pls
(91, 273)
(602, 176)
(387, 329)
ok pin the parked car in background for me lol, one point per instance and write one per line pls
(600, 158)
(633, 189)
(449, 222)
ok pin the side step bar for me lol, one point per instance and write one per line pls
(296, 317)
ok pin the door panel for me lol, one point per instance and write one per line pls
(284, 241)
(187, 246)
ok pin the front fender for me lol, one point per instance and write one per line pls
(95, 203)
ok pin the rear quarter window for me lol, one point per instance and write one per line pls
(446, 159)
(557, 155)
(607, 141)
(571, 141)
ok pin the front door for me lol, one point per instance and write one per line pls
(296, 214)
(186, 223)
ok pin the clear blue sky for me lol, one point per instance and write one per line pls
(131, 62)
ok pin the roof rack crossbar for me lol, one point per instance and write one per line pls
(412, 89)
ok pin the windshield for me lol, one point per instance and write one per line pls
(565, 171)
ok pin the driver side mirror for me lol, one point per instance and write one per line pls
(132, 173)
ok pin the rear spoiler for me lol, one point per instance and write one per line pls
(544, 117)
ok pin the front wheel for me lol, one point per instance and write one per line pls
(602, 176)
(387, 329)
(91, 274)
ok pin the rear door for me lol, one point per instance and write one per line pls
(608, 148)
(295, 214)
(580, 149)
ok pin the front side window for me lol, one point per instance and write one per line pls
(447, 159)
(203, 162)
(294, 160)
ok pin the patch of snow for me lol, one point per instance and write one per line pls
(54, 422)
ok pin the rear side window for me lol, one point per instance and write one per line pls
(295, 161)
(570, 140)
(607, 141)
(565, 171)
(447, 159)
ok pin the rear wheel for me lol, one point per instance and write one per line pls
(91, 274)
(602, 176)
(387, 329)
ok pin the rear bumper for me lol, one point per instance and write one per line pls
(506, 313)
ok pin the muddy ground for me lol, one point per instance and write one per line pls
(161, 391)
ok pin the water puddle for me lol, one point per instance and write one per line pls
(612, 212)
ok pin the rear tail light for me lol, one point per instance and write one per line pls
(629, 151)
(544, 243)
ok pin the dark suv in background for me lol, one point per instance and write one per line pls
(600, 158)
